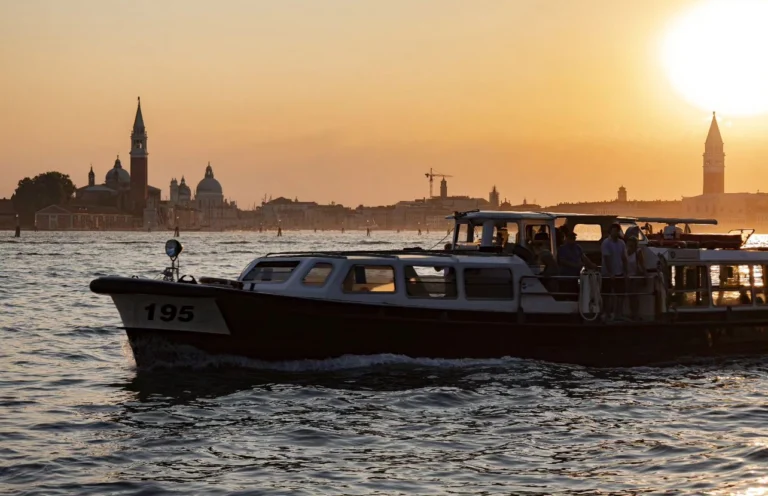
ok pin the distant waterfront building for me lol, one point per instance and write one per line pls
(714, 160)
(139, 164)
(621, 197)
(174, 191)
(184, 195)
(493, 198)
(122, 193)
(209, 194)
(443, 189)
(207, 208)
(114, 192)
(732, 210)
(83, 217)
(209, 199)
(294, 214)
(506, 206)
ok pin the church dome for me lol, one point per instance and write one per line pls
(209, 185)
(117, 174)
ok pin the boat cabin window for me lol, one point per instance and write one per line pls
(430, 282)
(506, 234)
(731, 285)
(538, 232)
(488, 284)
(369, 278)
(318, 274)
(271, 271)
(588, 232)
(761, 291)
(467, 233)
(688, 286)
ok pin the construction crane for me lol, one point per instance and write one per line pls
(431, 176)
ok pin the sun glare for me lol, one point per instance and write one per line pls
(716, 56)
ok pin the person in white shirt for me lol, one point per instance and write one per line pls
(614, 271)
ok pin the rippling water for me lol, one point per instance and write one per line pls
(76, 417)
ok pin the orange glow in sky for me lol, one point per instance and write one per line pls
(354, 101)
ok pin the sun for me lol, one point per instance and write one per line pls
(716, 56)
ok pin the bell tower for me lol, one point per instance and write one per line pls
(714, 160)
(139, 155)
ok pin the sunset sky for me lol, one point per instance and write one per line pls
(353, 101)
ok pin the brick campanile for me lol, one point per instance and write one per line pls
(139, 172)
(714, 160)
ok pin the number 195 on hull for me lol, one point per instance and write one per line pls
(171, 313)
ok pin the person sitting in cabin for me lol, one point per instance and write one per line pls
(571, 259)
(560, 235)
(614, 271)
(672, 232)
(414, 285)
(502, 237)
(545, 258)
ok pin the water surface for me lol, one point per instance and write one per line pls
(76, 417)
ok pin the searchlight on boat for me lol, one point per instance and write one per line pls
(173, 249)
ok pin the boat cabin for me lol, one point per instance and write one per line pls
(591, 230)
(491, 231)
(480, 272)
(683, 237)
(404, 278)
(714, 280)
(689, 280)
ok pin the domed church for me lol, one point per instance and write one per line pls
(118, 178)
(214, 210)
(208, 192)
(114, 192)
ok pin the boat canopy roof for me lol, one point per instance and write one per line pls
(676, 220)
(484, 215)
(594, 218)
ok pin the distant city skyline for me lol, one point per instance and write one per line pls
(354, 102)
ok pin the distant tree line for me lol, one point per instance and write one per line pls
(49, 188)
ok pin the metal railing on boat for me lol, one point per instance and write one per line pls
(575, 296)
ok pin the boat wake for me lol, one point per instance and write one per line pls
(163, 355)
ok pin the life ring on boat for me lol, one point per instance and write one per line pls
(591, 295)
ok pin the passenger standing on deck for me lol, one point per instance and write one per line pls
(545, 259)
(571, 259)
(635, 268)
(614, 271)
